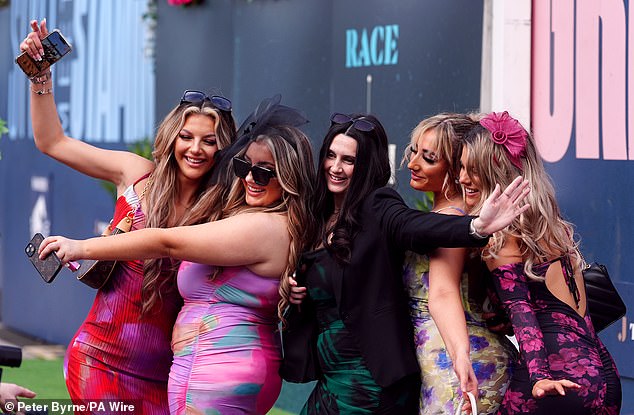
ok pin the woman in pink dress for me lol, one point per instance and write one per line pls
(226, 349)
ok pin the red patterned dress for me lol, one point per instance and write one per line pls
(116, 354)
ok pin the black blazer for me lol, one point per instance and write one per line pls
(369, 290)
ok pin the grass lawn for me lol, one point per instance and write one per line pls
(45, 377)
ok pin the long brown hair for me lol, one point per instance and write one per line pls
(163, 190)
(293, 159)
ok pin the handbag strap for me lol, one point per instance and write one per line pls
(137, 206)
(569, 275)
(125, 223)
(472, 400)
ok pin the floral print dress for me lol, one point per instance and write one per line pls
(491, 354)
(555, 343)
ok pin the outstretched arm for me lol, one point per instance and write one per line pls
(245, 239)
(421, 232)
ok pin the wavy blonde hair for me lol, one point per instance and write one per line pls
(542, 232)
(163, 190)
(449, 128)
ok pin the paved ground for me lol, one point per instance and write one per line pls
(32, 348)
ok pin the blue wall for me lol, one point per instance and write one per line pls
(92, 90)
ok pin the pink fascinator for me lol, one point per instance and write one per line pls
(508, 132)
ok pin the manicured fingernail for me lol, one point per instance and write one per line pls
(38, 57)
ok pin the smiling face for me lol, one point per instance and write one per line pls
(259, 154)
(195, 147)
(471, 184)
(339, 164)
(427, 169)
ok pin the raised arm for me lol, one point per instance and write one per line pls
(118, 167)
(257, 240)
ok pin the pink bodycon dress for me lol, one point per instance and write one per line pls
(226, 349)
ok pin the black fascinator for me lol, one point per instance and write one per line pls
(268, 116)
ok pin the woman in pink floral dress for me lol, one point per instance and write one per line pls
(536, 265)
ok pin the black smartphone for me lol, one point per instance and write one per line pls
(55, 48)
(48, 267)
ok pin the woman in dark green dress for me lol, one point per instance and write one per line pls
(348, 384)
(352, 332)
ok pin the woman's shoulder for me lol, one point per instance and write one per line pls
(385, 191)
(451, 210)
(384, 196)
(262, 222)
(510, 253)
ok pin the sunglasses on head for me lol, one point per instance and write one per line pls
(261, 175)
(196, 97)
(358, 123)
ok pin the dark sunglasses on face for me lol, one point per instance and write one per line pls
(358, 123)
(261, 175)
(196, 97)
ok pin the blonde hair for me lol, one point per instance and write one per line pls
(449, 128)
(163, 190)
(542, 232)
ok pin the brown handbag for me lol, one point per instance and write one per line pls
(95, 273)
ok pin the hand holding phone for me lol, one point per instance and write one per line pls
(48, 267)
(55, 47)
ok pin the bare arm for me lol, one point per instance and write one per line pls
(259, 241)
(445, 305)
(118, 167)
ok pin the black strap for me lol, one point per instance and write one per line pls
(569, 275)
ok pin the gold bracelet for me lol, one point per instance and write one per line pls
(42, 91)
(41, 78)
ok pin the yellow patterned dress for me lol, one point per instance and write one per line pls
(491, 354)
